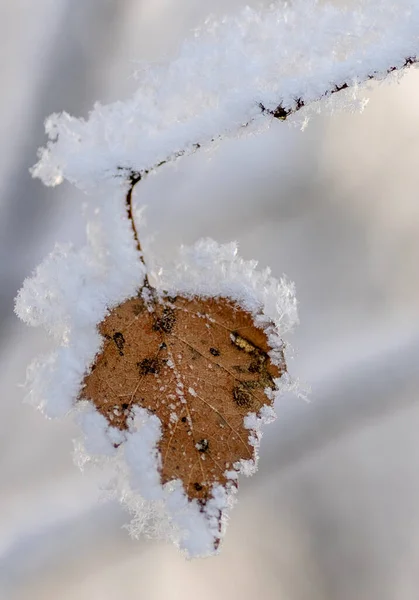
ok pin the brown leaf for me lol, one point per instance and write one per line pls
(201, 366)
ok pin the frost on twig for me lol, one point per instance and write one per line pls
(232, 78)
(172, 379)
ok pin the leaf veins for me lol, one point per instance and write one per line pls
(201, 366)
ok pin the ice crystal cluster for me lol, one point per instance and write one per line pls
(227, 79)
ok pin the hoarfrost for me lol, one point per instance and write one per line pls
(214, 87)
(142, 456)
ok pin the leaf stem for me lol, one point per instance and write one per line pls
(134, 178)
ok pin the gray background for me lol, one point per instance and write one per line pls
(333, 513)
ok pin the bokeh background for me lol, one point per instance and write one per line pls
(333, 513)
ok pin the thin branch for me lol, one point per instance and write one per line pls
(282, 113)
(279, 112)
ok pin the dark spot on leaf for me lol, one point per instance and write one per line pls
(166, 322)
(184, 419)
(137, 308)
(257, 364)
(202, 445)
(250, 385)
(125, 405)
(214, 352)
(242, 396)
(149, 366)
(197, 486)
(119, 340)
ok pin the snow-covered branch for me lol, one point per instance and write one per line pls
(282, 113)
(227, 79)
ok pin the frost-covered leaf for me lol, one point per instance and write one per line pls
(201, 367)
(211, 282)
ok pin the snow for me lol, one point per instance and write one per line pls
(99, 438)
(197, 530)
(215, 85)
(162, 511)
(142, 456)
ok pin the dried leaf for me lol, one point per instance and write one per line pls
(201, 366)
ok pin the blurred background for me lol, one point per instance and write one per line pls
(333, 513)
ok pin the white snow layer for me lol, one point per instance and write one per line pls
(214, 87)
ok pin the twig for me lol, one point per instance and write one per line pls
(280, 112)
